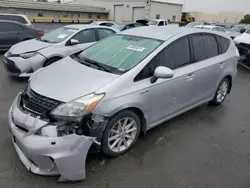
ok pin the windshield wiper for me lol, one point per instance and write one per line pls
(97, 64)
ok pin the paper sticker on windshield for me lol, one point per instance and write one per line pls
(62, 36)
(135, 48)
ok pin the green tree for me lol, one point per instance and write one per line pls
(58, 1)
(246, 19)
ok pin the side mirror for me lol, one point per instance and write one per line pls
(74, 42)
(242, 31)
(162, 72)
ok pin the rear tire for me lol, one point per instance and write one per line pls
(50, 61)
(121, 133)
(221, 92)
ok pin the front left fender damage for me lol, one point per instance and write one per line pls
(53, 155)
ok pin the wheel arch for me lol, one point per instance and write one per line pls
(138, 112)
(52, 57)
(229, 77)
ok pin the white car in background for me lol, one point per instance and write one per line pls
(26, 57)
(21, 18)
(103, 23)
(212, 28)
(158, 22)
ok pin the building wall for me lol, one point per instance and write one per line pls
(54, 14)
(202, 16)
(166, 11)
(128, 6)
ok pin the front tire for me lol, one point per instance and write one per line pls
(121, 133)
(221, 92)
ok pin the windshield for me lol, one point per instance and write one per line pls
(152, 22)
(118, 26)
(248, 31)
(122, 52)
(58, 35)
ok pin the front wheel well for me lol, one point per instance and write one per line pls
(229, 77)
(51, 58)
(140, 114)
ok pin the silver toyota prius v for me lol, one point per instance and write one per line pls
(107, 94)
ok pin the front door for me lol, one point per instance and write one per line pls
(86, 38)
(170, 96)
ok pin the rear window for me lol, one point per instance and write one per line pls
(15, 18)
(224, 44)
(122, 52)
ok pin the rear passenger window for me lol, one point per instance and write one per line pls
(204, 47)
(103, 33)
(224, 44)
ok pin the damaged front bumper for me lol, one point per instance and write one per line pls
(64, 156)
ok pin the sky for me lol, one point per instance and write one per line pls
(214, 6)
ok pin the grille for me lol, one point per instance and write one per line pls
(11, 67)
(38, 104)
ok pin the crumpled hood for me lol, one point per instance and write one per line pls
(67, 80)
(244, 38)
(29, 46)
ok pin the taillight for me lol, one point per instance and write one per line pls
(31, 26)
(41, 33)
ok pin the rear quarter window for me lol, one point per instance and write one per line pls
(223, 44)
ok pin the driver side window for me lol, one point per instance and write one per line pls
(169, 57)
(85, 36)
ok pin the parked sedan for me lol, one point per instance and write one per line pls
(103, 23)
(124, 26)
(12, 32)
(26, 57)
(123, 85)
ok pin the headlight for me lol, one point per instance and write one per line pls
(28, 55)
(76, 109)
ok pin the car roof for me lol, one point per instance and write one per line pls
(22, 15)
(100, 22)
(205, 26)
(161, 33)
(84, 26)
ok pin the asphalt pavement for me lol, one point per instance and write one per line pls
(207, 147)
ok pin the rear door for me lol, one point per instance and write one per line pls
(207, 69)
(9, 34)
(85, 37)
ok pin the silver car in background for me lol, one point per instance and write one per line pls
(123, 85)
(26, 57)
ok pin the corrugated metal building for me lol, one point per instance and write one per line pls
(131, 10)
(55, 11)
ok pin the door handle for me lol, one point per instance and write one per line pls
(222, 65)
(190, 76)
